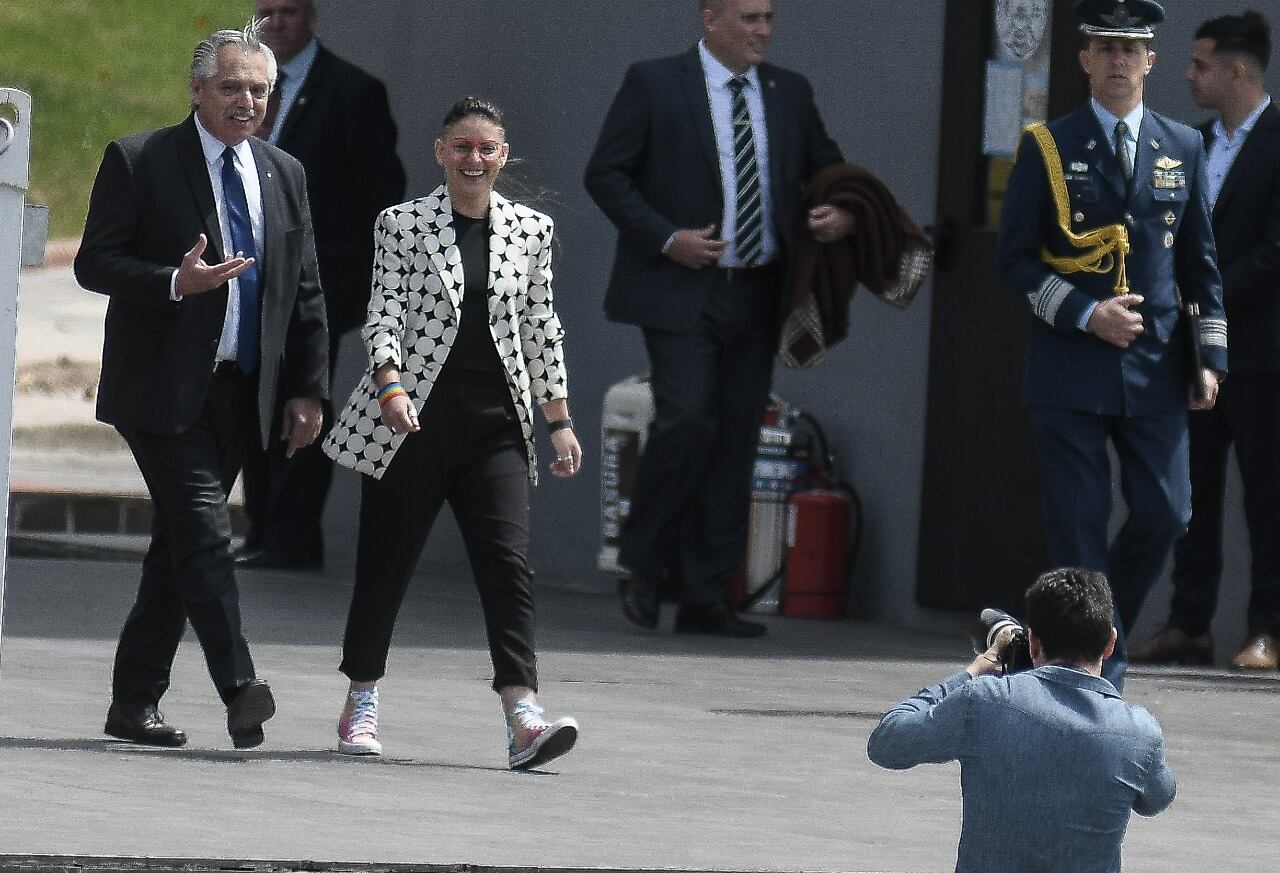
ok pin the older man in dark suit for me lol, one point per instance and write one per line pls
(1228, 67)
(701, 164)
(201, 236)
(334, 118)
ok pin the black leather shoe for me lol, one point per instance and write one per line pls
(142, 724)
(247, 712)
(259, 559)
(639, 596)
(716, 620)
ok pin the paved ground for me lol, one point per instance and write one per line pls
(694, 753)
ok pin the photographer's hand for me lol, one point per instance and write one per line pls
(988, 663)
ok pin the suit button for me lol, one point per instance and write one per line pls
(1128, 219)
(1079, 217)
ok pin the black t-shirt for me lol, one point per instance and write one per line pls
(473, 354)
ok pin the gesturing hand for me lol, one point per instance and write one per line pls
(696, 249)
(197, 277)
(1114, 321)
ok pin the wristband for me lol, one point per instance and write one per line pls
(559, 424)
(389, 391)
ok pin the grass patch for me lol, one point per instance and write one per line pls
(97, 70)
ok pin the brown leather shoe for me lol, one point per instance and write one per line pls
(1260, 652)
(1174, 646)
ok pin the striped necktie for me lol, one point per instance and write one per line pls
(749, 223)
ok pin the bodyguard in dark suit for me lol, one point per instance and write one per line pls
(201, 237)
(701, 164)
(334, 118)
(1105, 219)
(1228, 66)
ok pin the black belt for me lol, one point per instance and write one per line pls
(747, 274)
(227, 368)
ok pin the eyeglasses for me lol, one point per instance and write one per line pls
(463, 148)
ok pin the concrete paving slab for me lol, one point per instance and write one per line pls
(695, 753)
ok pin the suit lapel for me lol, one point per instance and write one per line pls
(274, 210)
(450, 253)
(775, 129)
(1255, 146)
(302, 101)
(191, 157)
(1152, 143)
(693, 81)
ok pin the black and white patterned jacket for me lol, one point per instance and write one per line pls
(415, 306)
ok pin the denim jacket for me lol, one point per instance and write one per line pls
(1051, 762)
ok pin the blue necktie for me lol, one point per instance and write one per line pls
(250, 283)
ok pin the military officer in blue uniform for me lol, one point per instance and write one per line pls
(1106, 234)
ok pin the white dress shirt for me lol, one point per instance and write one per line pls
(248, 169)
(1226, 146)
(717, 77)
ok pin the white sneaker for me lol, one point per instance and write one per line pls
(358, 727)
(533, 741)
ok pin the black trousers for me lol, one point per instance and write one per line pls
(691, 498)
(1247, 415)
(284, 497)
(470, 453)
(187, 574)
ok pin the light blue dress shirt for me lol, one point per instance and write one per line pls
(295, 73)
(1052, 762)
(1225, 147)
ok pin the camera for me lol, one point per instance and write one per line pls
(1016, 655)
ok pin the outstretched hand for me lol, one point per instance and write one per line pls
(197, 277)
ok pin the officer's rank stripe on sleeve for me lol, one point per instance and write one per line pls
(1213, 332)
(1047, 299)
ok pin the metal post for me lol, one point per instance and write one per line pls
(15, 154)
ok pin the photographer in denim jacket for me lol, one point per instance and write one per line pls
(1052, 760)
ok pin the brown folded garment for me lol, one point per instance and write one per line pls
(887, 253)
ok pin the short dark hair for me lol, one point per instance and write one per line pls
(1248, 34)
(473, 106)
(1071, 612)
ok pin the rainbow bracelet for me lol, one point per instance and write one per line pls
(389, 391)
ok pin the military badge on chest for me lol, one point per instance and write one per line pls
(1166, 175)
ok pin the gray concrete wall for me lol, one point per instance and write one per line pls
(554, 65)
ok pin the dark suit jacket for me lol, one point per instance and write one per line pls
(1171, 250)
(340, 127)
(1246, 225)
(150, 200)
(655, 170)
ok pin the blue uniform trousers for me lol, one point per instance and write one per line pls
(1156, 485)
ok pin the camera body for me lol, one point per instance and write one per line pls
(1016, 655)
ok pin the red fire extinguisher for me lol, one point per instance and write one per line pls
(817, 554)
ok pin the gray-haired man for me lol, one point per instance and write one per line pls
(201, 237)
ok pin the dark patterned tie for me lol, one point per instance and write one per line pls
(242, 241)
(749, 224)
(1122, 150)
(273, 107)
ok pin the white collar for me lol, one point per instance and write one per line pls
(718, 75)
(213, 147)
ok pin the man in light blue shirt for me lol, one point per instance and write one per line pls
(1052, 760)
